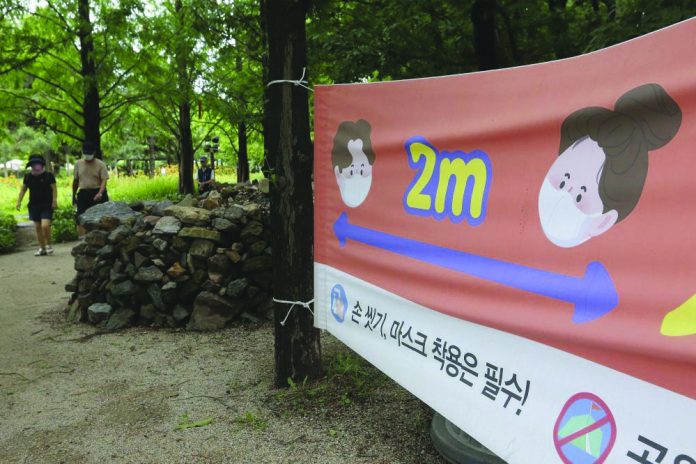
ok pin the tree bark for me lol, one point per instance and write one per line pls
(243, 155)
(185, 149)
(485, 34)
(297, 346)
(184, 104)
(91, 100)
(267, 154)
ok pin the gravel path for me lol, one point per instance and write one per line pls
(69, 394)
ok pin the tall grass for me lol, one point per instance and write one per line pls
(126, 189)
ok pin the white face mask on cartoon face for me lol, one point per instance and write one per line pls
(562, 221)
(355, 181)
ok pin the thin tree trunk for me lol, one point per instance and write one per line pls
(297, 346)
(485, 34)
(243, 156)
(185, 135)
(91, 101)
(185, 149)
(268, 155)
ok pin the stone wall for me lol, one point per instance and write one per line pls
(199, 264)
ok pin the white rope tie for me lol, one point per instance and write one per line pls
(301, 82)
(292, 306)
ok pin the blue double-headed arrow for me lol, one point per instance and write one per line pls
(593, 295)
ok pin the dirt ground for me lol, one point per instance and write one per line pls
(69, 394)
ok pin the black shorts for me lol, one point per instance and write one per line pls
(85, 199)
(37, 213)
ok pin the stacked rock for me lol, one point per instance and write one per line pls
(199, 264)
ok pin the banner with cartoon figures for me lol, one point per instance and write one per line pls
(517, 248)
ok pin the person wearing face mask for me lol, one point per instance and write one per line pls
(598, 177)
(43, 198)
(89, 184)
(352, 158)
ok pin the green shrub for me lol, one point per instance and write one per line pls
(8, 241)
(63, 225)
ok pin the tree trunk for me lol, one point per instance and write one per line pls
(243, 157)
(267, 161)
(90, 102)
(297, 347)
(485, 34)
(185, 149)
(561, 44)
(185, 135)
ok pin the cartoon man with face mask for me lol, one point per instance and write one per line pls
(598, 177)
(352, 159)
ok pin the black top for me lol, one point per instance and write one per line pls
(40, 188)
(205, 174)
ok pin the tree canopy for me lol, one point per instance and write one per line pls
(138, 77)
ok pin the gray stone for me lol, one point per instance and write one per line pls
(180, 244)
(264, 185)
(98, 312)
(200, 232)
(121, 318)
(125, 288)
(159, 244)
(202, 248)
(148, 274)
(257, 264)
(180, 313)
(188, 200)
(167, 225)
(71, 286)
(234, 213)
(130, 269)
(116, 277)
(148, 313)
(107, 215)
(251, 230)
(106, 251)
(84, 263)
(257, 248)
(189, 215)
(224, 225)
(139, 259)
(159, 207)
(219, 264)
(137, 205)
(96, 238)
(155, 294)
(169, 286)
(79, 250)
(212, 312)
(75, 313)
(235, 289)
(119, 234)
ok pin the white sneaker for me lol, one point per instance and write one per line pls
(40, 252)
(49, 250)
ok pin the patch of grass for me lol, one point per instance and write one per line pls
(63, 225)
(250, 419)
(186, 423)
(349, 379)
(8, 241)
(126, 189)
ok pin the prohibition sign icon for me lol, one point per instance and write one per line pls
(585, 430)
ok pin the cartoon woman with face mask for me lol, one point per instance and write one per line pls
(352, 158)
(598, 177)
